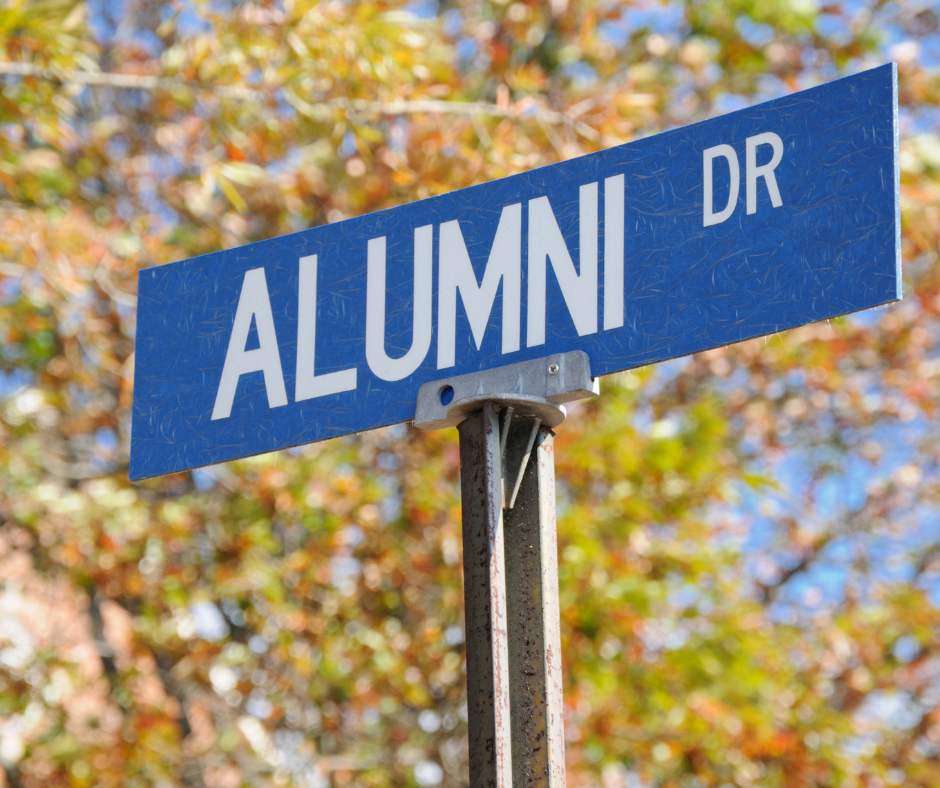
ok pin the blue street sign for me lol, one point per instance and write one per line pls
(740, 226)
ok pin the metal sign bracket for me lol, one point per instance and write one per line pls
(529, 395)
(538, 388)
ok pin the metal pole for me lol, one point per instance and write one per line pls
(510, 559)
(535, 677)
(485, 601)
(514, 681)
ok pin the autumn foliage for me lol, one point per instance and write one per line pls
(747, 537)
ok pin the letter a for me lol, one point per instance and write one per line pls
(253, 302)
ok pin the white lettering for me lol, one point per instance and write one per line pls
(380, 363)
(613, 251)
(709, 155)
(579, 290)
(252, 302)
(765, 171)
(308, 383)
(456, 273)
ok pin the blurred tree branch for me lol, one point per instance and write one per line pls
(104, 650)
(851, 523)
(414, 107)
(118, 81)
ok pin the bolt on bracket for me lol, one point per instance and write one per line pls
(536, 388)
(528, 396)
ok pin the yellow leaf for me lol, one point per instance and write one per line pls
(231, 193)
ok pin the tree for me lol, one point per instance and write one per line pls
(747, 536)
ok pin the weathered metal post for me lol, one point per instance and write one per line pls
(514, 681)
(485, 600)
(533, 619)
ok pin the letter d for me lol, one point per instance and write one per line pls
(709, 155)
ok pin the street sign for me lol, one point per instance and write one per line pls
(736, 227)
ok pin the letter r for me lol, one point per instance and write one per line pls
(765, 171)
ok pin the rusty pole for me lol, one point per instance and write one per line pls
(510, 559)
(532, 615)
(485, 601)
(514, 682)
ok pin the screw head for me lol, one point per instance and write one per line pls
(553, 369)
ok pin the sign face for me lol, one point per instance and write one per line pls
(736, 227)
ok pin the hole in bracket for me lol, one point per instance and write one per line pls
(446, 395)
